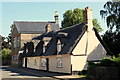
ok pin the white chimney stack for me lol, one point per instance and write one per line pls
(88, 18)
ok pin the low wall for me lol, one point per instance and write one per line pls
(14, 62)
(6, 61)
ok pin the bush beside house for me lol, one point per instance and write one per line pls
(107, 69)
(6, 57)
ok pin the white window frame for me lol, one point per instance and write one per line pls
(59, 47)
(59, 62)
(17, 41)
(43, 62)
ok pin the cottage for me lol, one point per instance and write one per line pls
(67, 50)
(24, 31)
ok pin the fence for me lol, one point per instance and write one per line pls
(103, 73)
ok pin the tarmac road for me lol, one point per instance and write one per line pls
(17, 73)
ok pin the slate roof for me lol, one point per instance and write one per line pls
(34, 26)
(69, 37)
(74, 33)
(49, 34)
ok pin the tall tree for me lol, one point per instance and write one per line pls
(97, 25)
(75, 17)
(72, 17)
(111, 37)
(111, 13)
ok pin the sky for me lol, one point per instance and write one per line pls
(41, 11)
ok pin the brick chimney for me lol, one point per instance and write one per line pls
(56, 17)
(48, 28)
(88, 18)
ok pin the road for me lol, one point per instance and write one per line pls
(9, 73)
(16, 73)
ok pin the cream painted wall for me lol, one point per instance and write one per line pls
(95, 50)
(81, 46)
(78, 62)
(33, 62)
(66, 63)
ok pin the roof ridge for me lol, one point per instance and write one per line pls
(72, 26)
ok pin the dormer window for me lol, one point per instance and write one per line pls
(44, 47)
(35, 42)
(46, 41)
(48, 28)
(59, 46)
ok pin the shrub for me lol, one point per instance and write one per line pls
(107, 62)
(5, 54)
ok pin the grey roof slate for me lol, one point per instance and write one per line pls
(69, 41)
(69, 37)
(34, 26)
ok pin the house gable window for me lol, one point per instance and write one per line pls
(43, 62)
(16, 42)
(59, 62)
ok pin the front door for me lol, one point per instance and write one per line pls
(25, 62)
(47, 64)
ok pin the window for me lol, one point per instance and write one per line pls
(18, 41)
(28, 61)
(59, 62)
(26, 50)
(43, 48)
(43, 62)
(59, 46)
(14, 57)
(35, 62)
(15, 40)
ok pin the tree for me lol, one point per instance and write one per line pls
(111, 37)
(5, 43)
(97, 25)
(75, 17)
(5, 54)
(111, 13)
(72, 17)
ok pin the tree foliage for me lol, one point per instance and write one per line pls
(111, 13)
(111, 37)
(5, 43)
(5, 54)
(97, 25)
(71, 18)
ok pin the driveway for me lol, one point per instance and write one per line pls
(17, 73)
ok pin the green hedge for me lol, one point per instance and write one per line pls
(5, 54)
(108, 62)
